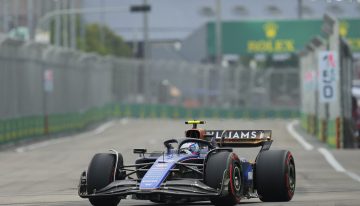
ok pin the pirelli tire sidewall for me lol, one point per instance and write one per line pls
(101, 173)
(232, 186)
(275, 176)
(235, 177)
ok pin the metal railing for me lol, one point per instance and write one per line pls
(45, 89)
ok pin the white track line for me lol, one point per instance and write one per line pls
(326, 153)
(336, 165)
(297, 136)
(353, 175)
(331, 160)
(39, 145)
(124, 121)
(102, 128)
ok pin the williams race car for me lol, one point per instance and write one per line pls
(198, 167)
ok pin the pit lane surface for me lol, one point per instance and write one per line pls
(47, 173)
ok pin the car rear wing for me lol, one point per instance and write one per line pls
(240, 138)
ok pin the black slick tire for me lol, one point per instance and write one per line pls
(275, 176)
(100, 174)
(215, 167)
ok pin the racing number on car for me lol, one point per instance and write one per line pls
(327, 76)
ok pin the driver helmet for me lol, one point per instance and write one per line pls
(190, 148)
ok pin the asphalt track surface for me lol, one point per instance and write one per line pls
(47, 173)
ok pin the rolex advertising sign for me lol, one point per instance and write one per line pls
(350, 30)
(271, 44)
(274, 37)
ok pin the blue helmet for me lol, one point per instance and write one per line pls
(190, 148)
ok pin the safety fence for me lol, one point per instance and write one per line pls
(326, 80)
(47, 90)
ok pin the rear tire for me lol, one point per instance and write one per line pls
(100, 174)
(275, 176)
(216, 164)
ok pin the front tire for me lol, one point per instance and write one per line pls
(275, 176)
(100, 174)
(216, 165)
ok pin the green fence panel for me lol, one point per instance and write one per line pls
(331, 131)
(33, 126)
(13, 126)
(270, 114)
(116, 110)
(2, 132)
(24, 127)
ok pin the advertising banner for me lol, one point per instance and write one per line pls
(328, 76)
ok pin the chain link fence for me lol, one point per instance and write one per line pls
(45, 90)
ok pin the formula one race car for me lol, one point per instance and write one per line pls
(198, 167)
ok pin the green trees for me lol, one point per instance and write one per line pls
(92, 38)
(110, 44)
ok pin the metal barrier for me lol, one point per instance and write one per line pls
(326, 110)
(46, 90)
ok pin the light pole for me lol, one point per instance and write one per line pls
(300, 7)
(65, 31)
(16, 14)
(57, 23)
(6, 16)
(73, 35)
(218, 31)
(30, 17)
(146, 33)
(102, 20)
(216, 13)
(142, 69)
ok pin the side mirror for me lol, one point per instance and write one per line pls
(168, 143)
